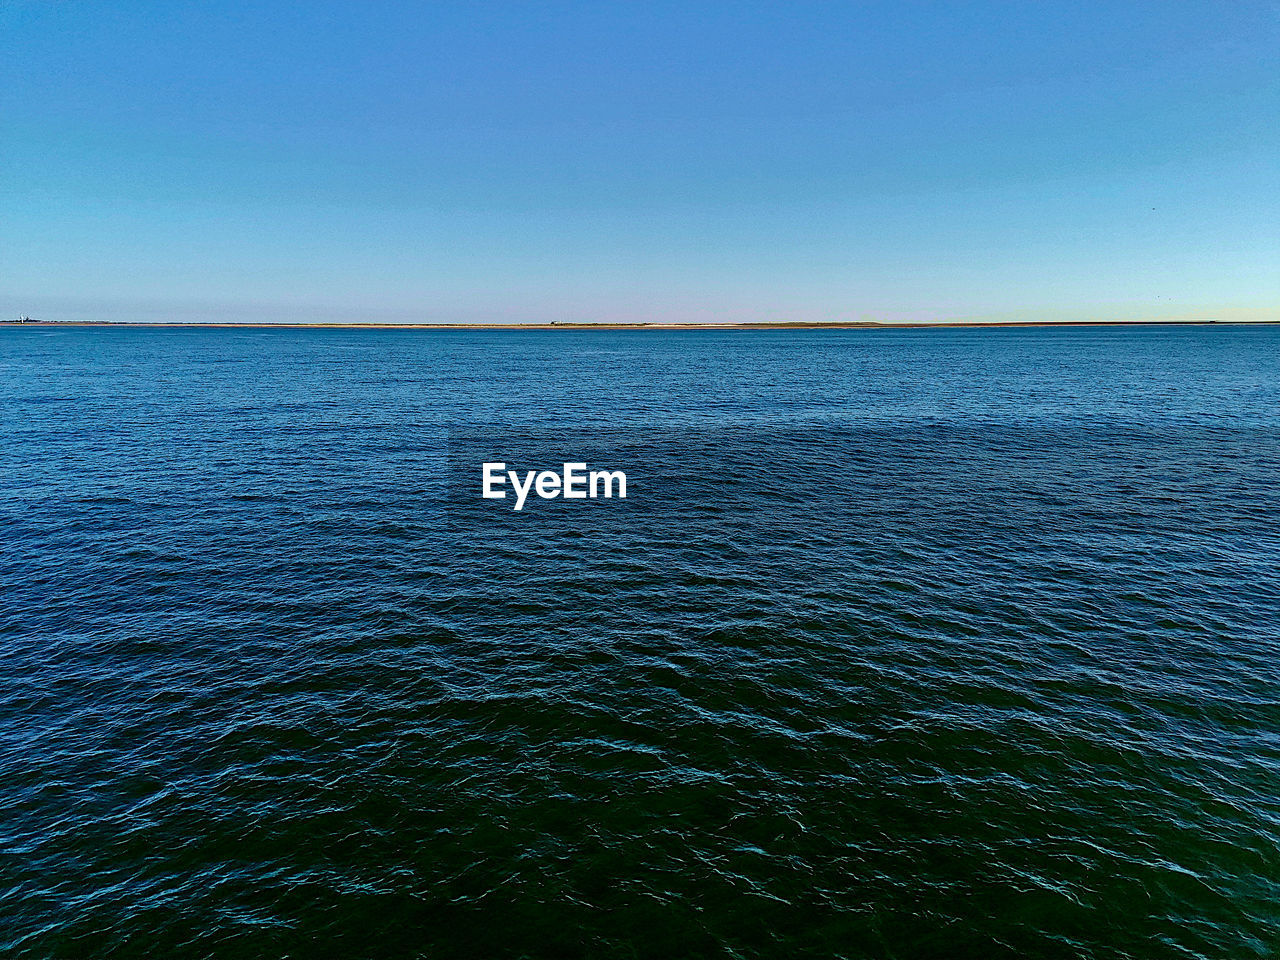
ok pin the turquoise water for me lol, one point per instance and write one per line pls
(904, 644)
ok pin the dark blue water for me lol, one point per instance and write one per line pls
(904, 644)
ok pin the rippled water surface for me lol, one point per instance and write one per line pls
(904, 644)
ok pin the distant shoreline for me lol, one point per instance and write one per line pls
(762, 325)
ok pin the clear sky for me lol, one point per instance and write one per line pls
(639, 161)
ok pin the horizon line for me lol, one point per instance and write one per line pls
(641, 325)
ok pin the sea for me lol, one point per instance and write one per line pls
(904, 643)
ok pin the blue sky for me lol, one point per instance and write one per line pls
(611, 161)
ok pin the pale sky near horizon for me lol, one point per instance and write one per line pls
(689, 161)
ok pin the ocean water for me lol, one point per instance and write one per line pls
(903, 644)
